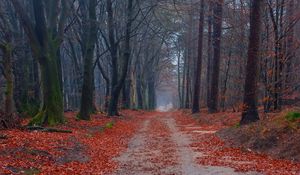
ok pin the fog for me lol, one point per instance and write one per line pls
(165, 100)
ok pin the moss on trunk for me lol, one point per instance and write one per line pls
(51, 112)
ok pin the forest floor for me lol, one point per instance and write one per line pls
(138, 143)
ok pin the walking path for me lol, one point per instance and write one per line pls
(159, 147)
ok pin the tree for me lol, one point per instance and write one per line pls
(118, 81)
(196, 95)
(290, 40)
(188, 60)
(88, 54)
(45, 37)
(209, 53)
(217, 33)
(8, 119)
(250, 113)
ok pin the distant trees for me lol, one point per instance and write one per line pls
(226, 64)
(84, 59)
(106, 55)
(250, 113)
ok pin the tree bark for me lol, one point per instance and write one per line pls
(290, 43)
(126, 93)
(209, 54)
(87, 105)
(217, 28)
(250, 113)
(8, 119)
(188, 63)
(223, 99)
(140, 104)
(117, 83)
(151, 93)
(45, 43)
(51, 111)
(8, 73)
(197, 84)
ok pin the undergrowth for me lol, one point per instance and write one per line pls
(292, 116)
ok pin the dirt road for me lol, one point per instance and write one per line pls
(160, 147)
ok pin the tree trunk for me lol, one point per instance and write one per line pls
(197, 84)
(217, 26)
(107, 83)
(8, 74)
(209, 54)
(183, 89)
(140, 104)
(51, 111)
(187, 86)
(151, 93)
(8, 119)
(250, 113)
(179, 81)
(223, 99)
(87, 105)
(126, 93)
(45, 43)
(290, 44)
(117, 83)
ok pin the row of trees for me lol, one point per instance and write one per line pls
(239, 71)
(85, 55)
(91, 55)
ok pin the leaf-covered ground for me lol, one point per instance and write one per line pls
(215, 152)
(89, 149)
(137, 143)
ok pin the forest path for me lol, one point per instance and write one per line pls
(159, 147)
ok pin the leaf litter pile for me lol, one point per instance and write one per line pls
(89, 149)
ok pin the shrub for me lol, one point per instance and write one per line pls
(292, 116)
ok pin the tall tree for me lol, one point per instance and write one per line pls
(118, 79)
(217, 34)
(6, 46)
(89, 44)
(209, 53)
(290, 40)
(188, 60)
(197, 83)
(250, 113)
(45, 37)
(8, 119)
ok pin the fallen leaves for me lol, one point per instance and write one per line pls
(214, 152)
(40, 152)
(90, 149)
